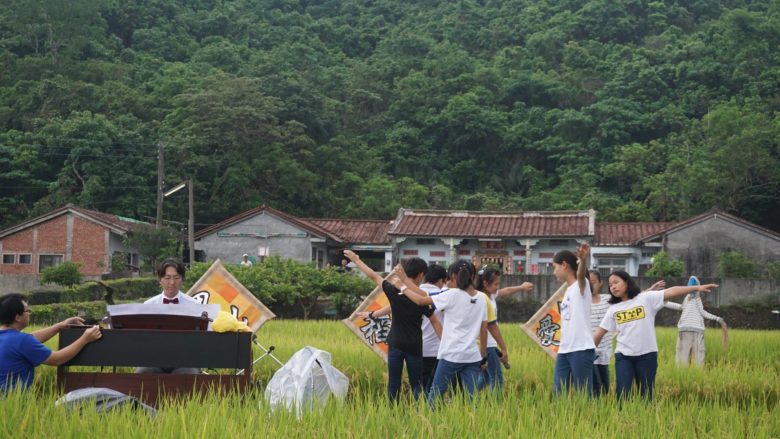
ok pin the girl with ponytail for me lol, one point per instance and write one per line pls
(466, 312)
(576, 352)
(488, 282)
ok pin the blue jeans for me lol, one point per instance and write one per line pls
(429, 368)
(446, 372)
(600, 379)
(493, 375)
(395, 370)
(638, 369)
(574, 368)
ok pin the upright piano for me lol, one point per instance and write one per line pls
(167, 348)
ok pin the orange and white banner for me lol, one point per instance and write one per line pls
(544, 327)
(373, 332)
(218, 286)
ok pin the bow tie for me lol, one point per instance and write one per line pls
(175, 300)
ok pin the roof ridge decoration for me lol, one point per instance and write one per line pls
(521, 213)
(485, 224)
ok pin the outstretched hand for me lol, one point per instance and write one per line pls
(660, 285)
(527, 286)
(583, 250)
(351, 255)
(706, 288)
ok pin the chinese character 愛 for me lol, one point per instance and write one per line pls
(547, 330)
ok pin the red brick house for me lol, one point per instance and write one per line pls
(70, 233)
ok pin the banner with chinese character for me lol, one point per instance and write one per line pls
(544, 327)
(218, 286)
(373, 332)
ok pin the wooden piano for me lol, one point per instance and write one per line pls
(158, 348)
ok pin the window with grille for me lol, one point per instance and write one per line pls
(608, 265)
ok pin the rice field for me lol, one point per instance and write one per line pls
(735, 395)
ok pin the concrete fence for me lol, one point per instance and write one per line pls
(18, 283)
(23, 283)
(731, 291)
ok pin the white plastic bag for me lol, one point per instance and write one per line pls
(306, 382)
(103, 398)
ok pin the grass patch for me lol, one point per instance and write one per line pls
(735, 395)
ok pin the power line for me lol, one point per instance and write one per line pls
(59, 146)
(101, 155)
(77, 187)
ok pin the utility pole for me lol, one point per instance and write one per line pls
(160, 182)
(191, 219)
(191, 223)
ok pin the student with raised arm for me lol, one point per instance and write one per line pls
(576, 352)
(435, 282)
(405, 338)
(599, 307)
(466, 315)
(21, 353)
(488, 282)
(632, 316)
(690, 336)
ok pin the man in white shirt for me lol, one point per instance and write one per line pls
(245, 262)
(171, 275)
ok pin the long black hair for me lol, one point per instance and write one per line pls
(567, 257)
(485, 276)
(465, 271)
(632, 291)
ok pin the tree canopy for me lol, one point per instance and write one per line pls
(351, 108)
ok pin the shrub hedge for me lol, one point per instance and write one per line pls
(123, 289)
(56, 312)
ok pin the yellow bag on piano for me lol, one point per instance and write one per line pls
(225, 322)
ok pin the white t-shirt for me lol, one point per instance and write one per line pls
(576, 334)
(464, 315)
(491, 342)
(429, 338)
(181, 296)
(634, 321)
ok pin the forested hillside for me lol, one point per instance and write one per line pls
(642, 110)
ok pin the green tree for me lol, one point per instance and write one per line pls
(736, 264)
(66, 274)
(152, 244)
(773, 269)
(289, 282)
(663, 266)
